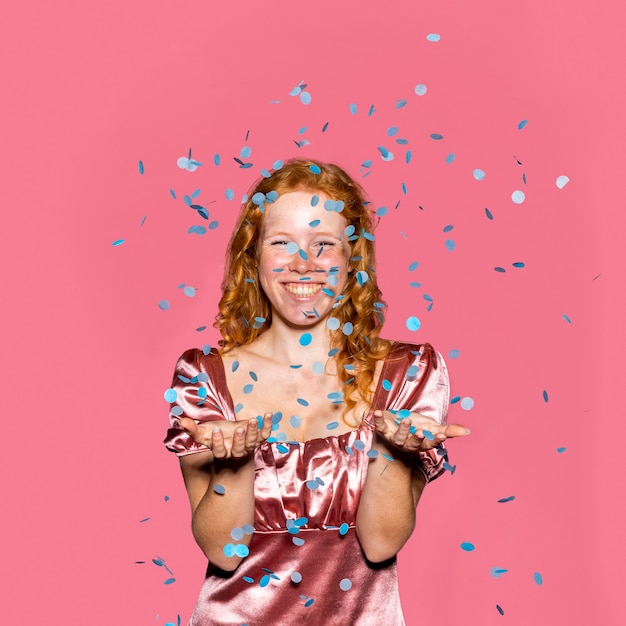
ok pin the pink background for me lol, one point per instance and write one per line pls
(92, 88)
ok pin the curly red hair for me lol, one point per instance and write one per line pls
(244, 310)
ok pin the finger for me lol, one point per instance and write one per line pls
(402, 433)
(456, 430)
(238, 449)
(380, 423)
(189, 425)
(217, 443)
(252, 434)
(266, 428)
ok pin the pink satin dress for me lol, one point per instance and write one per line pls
(305, 564)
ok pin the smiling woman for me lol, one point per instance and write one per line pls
(342, 429)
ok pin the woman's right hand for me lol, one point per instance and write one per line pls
(228, 439)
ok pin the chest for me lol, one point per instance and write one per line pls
(305, 404)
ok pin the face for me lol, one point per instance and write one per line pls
(303, 255)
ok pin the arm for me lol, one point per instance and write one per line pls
(386, 515)
(229, 463)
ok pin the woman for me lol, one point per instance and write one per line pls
(301, 512)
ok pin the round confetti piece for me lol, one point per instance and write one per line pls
(518, 264)
(467, 403)
(345, 584)
(229, 549)
(118, 242)
(176, 410)
(436, 136)
(170, 395)
(518, 196)
(450, 245)
(421, 89)
(237, 534)
(190, 292)
(433, 37)
(387, 385)
(220, 489)
(291, 247)
(538, 578)
(332, 425)
(309, 602)
(561, 450)
(297, 541)
(241, 550)
(359, 445)
(314, 223)
(305, 339)
(305, 97)
(353, 108)
(362, 277)
(169, 581)
(245, 152)
(312, 485)
(265, 581)
(296, 577)
(248, 529)
(413, 266)
(333, 323)
(413, 323)
(229, 193)
(343, 529)
(478, 174)
(248, 388)
(164, 305)
(450, 158)
(454, 353)
(467, 546)
(561, 181)
(347, 328)
(318, 367)
(315, 168)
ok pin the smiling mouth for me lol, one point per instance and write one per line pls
(300, 289)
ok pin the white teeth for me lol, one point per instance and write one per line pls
(302, 289)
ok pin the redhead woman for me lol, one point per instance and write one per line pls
(306, 440)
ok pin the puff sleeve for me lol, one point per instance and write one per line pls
(415, 378)
(201, 394)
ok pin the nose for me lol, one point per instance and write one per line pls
(302, 263)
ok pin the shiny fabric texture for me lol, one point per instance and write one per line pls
(339, 465)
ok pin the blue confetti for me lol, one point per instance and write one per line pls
(118, 242)
(507, 499)
(387, 385)
(248, 579)
(538, 578)
(499, 269)
(141, 167)
(170, 395)
(567, 319)
(518, 196)
(496, 572)
(450, 245)
(353, 108)
(314, 223)
(413, 323)
(305, 97)
(467, 546)
(413, 266)
(428, 435)
(305, 339)
(545, 395)
(248, 388)
(450, 158)
(561, 450)
(315, 169)
(522, 124)
(467, 403)
(169, 581)
(164, 305)
(241, 550)
(436, 136)
(454, 353)
(488, 213)
(478, 174)
(421, 89)
(433, 37)
(332, 425)
(229, 193)
(347, 328)
(345, 584)
(518, 264)
(296, 577)
(561, 181)
(343, 529)
(500, 610)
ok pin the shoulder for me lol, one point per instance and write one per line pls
(200, 360)
(414, 354)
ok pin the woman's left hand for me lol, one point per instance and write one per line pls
(427, 433)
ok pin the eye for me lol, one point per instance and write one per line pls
(279, 243)
(326, 244)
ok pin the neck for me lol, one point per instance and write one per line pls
(285, 343)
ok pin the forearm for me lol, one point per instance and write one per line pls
(217, 514)
(386, 515)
